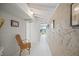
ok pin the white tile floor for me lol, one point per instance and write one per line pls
(41, 49)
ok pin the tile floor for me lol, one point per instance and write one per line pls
(41, 49)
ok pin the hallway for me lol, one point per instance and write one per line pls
(41, 49)
(18, 20)
(44, 29)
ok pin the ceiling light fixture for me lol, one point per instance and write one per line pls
(31, 12)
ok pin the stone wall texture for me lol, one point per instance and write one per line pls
(64, 40)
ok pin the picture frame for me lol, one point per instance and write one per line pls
(14, 23)
(74, 15)
(53, 23)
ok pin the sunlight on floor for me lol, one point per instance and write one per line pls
(42, 48)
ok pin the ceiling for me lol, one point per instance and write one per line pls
(42, 11)
(20, 10)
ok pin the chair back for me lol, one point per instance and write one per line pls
(19, 40)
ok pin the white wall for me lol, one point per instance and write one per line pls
(8, 33)
(28, 31)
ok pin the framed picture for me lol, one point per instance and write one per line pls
(52, 24)
(14, 23)
(74, 20)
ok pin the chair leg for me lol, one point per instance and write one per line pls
(29, 51)
(20, 51)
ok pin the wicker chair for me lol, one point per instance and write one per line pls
(22, 45)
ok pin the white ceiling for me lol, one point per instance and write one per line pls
(20, 10)
(42, 11)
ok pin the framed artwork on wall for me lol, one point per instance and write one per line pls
(14, 23)
(74, 15)
(52, 24)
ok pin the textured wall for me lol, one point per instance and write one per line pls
(64, 40)
(8, 33)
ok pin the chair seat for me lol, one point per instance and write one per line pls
(23, 46)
